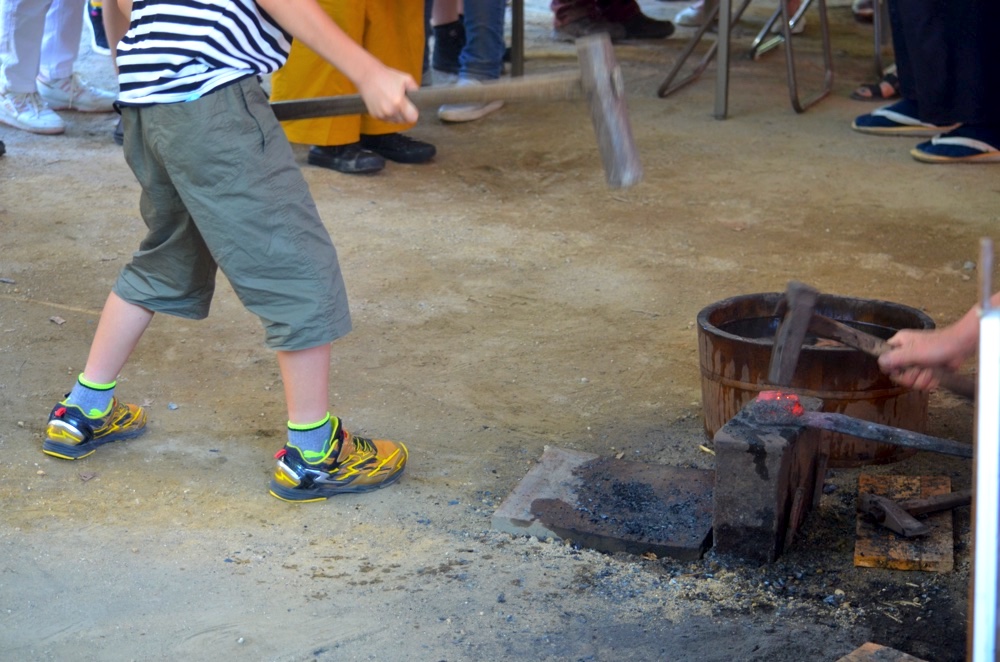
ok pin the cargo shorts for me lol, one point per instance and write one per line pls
(221, 190)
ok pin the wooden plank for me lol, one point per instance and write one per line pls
(871, 652)
(877, 547)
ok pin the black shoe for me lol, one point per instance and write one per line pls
(399, 148)
(641, 26)
(351, 159)
(118, 135)
(3, 148)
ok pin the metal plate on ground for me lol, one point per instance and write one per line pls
(612, 505)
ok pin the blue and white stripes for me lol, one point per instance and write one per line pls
(179, 50)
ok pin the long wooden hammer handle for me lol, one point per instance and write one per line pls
(563, 85)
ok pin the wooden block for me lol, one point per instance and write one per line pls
(878, 547)
(612, 505)
(874, 653)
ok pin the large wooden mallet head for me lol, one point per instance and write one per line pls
(599, 79)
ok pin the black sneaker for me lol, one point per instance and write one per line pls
(641, 26)
(399, 148)
(351, 159)
(586, 26)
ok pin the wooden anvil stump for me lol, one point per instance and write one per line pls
(767, 478)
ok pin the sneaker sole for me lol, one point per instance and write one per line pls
(293, 495)
(330, 164)
(45, 131)
(468, 112)
(925, 157)
(78, 109)
(80, 451)
(907, 131)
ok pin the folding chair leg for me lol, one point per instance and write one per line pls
(793, 88)
(517, 38)
(721, 50)
(668, 86)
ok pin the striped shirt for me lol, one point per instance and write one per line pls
(180, 50)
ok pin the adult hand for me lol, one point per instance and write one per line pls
(915, 358)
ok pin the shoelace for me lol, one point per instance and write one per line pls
(27, 101)
(73, 86)
(364, 445)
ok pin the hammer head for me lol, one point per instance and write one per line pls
(891, 515)
(799, 304)
(603, 85)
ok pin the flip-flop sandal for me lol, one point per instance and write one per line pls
(886, 89)
(894, 121)
(963, 145)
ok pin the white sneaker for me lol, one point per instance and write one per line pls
(439, 77)
(467, 112)
(27, 111)
(693, 16)
(74, 93)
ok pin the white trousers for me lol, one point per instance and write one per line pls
(38, 37)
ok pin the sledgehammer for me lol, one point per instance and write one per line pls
(599, 80)
(800, 316)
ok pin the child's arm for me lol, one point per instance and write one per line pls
(116, 15)
(382, 88)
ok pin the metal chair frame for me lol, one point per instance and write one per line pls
(723, 11)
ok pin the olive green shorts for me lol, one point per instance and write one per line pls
(221, 190)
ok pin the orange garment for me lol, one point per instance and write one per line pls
(391, 31)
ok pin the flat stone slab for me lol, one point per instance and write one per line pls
(612, 505)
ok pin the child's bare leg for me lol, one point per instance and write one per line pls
(118, 332)
(321, 459)
(306, 375)
(89, 416)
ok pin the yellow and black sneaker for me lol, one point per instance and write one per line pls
(71, 434)
(353, 464)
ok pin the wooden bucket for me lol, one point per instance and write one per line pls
(735, 338)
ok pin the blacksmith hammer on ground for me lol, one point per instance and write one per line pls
(900, 516)
(801, 317)
(599, 78)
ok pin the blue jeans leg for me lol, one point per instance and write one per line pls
(482, 57)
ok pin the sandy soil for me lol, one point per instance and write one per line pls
(504, 300)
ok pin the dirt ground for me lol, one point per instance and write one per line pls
(504, 300)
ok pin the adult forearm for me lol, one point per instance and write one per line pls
(967, 328)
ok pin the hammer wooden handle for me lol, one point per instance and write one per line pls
(564, 85)
(826, 327)
(599, 79)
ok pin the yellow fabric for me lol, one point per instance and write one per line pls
(391, 31)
